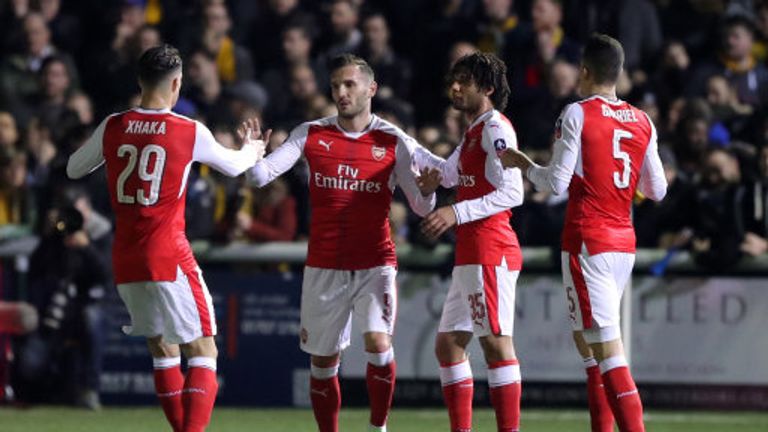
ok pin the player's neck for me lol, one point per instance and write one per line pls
(605, 92)
(357, 123)
(155, 101)
(483, 108)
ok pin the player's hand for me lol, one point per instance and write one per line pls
(250, 130)
(428, 180)
(438, 222)
(754, 244)
(243, 221)
(250, 134)
(514, 158)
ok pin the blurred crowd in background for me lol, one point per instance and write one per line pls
(697, 67)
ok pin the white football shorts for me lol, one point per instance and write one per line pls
(181, 310)
(329, 299)
(593, 287)
(481, 300)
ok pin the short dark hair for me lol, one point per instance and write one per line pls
(156, 63)
(348, 59)
(487, 71)
(603, 57)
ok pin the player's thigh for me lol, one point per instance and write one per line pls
(594, 284)
(489, 292)
(375, 299)
(326, 311)
(456, 315)
(143, 304)
(187, 308)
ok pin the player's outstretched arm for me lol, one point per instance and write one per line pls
(556, 177)
(89, 156)
(228, 161)
(507, 183)
(281, 159)
(419, 187)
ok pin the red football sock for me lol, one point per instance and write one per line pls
(505, 387)
(600, 413)
(169, 382)
(622, 394)
(380, 377)
(458, 389)
(325, 394)
(199, 395)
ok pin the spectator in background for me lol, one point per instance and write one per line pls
(718, 230)
(16, 200)
(267, 214)
(639, 31)
(692, 137)
(731, 116)
(542, 46)
(203, 85)
(393, 74)
(19, 73)
(672, 75)
(233, 62)
(9, 133)
(115, 85)
(663, 224)
(65, 27)
(535, 120)
(68, 280)
(56, 85)
(297, 46)
(755, 211)
(736, 62)
(267, 30)
(346, 37)
(503, 31)
(305, 100)
(243, 100)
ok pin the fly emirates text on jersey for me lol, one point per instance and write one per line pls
(346, 179)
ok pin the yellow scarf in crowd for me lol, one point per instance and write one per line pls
(225, 60)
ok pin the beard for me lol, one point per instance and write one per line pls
(353, 110)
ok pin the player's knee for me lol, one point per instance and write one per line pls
(449, 348)
(202, 347)
(497, 348)
(377, 342)
(325, 361)
(158, 348)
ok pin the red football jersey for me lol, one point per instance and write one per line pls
(614, 140)
(485, 193)
(351, 180)
(148, 155)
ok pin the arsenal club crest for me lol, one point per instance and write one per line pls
(378, 153)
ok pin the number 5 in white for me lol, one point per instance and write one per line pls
(154, 177)
(621, 180)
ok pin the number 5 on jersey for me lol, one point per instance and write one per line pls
(154, 177)
(621, 180)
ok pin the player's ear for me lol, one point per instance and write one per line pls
(374, 87)
(489, 91)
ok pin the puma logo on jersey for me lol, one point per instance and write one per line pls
(327, 145)
(145, 127)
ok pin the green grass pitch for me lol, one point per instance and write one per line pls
(46, 419)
